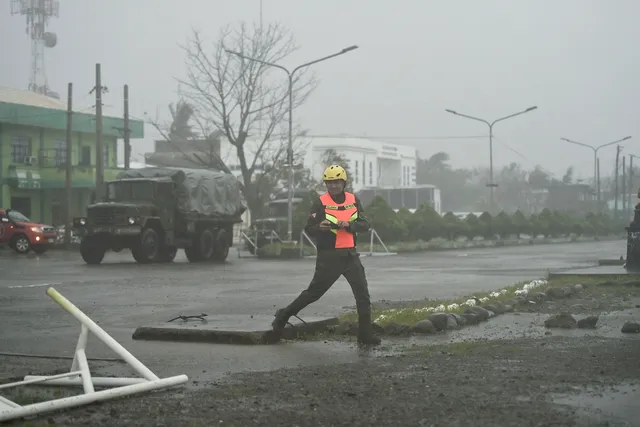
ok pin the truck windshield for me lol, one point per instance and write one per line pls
(127, 191)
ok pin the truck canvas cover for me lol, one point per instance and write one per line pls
(199, 191)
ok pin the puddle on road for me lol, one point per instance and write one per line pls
(614, 407)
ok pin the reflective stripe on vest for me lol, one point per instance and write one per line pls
(346, 211)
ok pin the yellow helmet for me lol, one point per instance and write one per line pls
(334, 173)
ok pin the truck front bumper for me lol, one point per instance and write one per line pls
(115, 230)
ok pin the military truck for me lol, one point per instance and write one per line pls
(156, 211)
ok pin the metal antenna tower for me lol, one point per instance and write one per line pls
(38, 13)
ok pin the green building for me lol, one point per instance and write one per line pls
(33, 154)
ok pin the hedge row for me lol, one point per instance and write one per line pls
(426, 224)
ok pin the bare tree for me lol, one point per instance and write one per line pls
(235, 96)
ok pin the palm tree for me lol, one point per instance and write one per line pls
(181, 114)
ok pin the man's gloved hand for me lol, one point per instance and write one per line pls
(324, 225)
(343, 224)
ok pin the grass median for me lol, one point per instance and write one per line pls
(410, 313)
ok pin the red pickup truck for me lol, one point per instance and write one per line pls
(24, 235)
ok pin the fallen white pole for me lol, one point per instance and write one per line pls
(39, 379)
(7, 404)
(83, 399)
(101, 334)
(87, 385)
(97, 381)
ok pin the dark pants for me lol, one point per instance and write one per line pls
(330, 266)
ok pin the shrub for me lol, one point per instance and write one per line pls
(425, 224)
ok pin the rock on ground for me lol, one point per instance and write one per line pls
(563, 320)
(631, 328)
(588, 322)
(507, 383)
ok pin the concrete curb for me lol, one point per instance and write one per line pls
(619, 262)
(222, 332)
(605, 271)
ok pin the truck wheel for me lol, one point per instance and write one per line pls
(21, 244)
(168, 254)
(192, 253)
(148, 247)
(206, 245)
(91, 250)
(221, 248)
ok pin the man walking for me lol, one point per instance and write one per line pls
(334, 219)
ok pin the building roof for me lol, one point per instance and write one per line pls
(361, 144)
(25, 108)
(25, 97)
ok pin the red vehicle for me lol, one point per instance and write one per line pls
(24, 235)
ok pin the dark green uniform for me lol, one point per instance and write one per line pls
(331, 263)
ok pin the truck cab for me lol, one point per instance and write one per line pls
(117, 221)
(272, 227)
(24, 235)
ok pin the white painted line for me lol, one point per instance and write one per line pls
(40, 285)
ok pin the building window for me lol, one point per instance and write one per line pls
(85, 160)
(105, 156)
(356, 173)
(20, 148)
(60, 152)
(370, 173)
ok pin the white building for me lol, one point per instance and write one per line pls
(372, 163)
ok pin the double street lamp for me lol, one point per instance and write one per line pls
(491, 184)
(290, 75)
(596, 178)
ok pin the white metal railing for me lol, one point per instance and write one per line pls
(254, 243)
(304, 236)
(374, 237)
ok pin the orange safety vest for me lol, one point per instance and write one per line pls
(345, 211)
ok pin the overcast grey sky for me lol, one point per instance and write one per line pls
(577, 60)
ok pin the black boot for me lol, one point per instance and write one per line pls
(281, 318)
(365, 330)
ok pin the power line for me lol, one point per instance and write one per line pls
(507, 146)
(394, 137)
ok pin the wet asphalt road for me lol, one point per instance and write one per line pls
(121, 295)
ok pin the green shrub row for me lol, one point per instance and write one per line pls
(425, 224)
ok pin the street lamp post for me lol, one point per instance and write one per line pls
(491, 184)
(596, 178)
(290, 75)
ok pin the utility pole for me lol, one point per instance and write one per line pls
(99, 144)
(624, 185)
(68, 219)
(595, 157)
(631, 189)
(598, 184)
(618, 149)
(127, 144)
